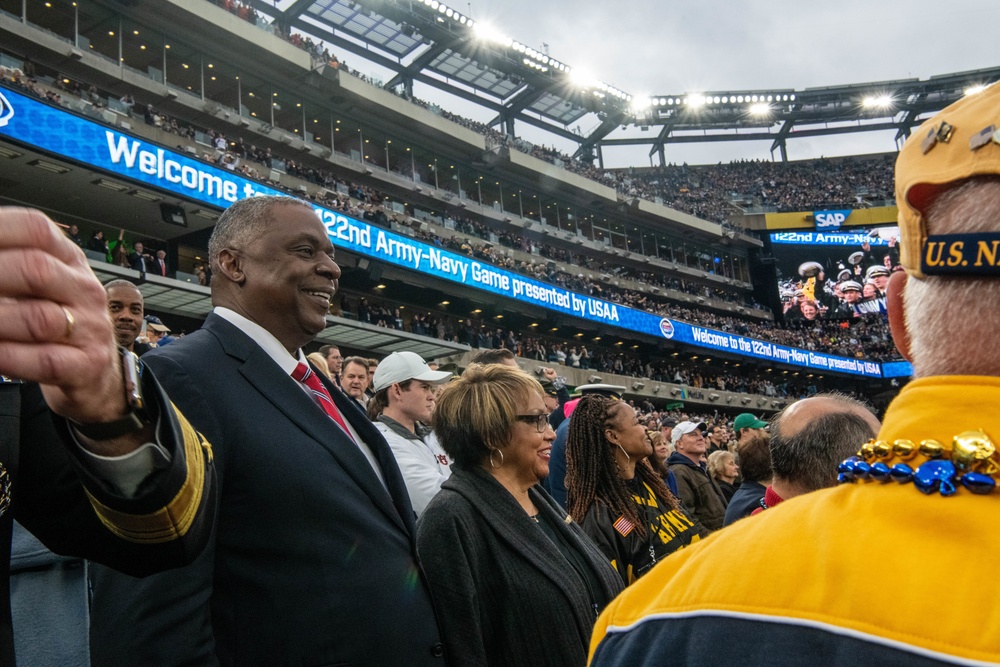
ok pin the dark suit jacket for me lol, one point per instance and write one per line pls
(165, 525)
(139, 263)
(313, 561)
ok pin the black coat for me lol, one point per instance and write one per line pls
(746, 499)
(506, 594)
(47, 484)
(313, 561)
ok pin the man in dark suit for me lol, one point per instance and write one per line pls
(161, 263)
(147, 502)
(140, 260)
(354, 381)
(313, 560)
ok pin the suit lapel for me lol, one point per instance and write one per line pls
(282, 391)
(376, 442)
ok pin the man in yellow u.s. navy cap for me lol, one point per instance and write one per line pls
(891, 566)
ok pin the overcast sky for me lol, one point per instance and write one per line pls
(663, 47)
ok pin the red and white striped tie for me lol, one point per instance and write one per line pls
(305, 375)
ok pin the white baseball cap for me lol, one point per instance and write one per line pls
(684, 428)
(403, 366)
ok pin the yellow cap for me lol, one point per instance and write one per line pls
(961, 141)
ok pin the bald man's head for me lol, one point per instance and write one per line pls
(811, 437)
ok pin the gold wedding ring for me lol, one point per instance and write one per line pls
(70, 321)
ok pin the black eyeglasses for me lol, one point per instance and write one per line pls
(540, 421)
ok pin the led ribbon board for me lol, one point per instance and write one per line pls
(100, 147)
(840, 238)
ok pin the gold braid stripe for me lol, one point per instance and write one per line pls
(174, 520)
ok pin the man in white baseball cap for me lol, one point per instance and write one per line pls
(697, 490)
(402, 409)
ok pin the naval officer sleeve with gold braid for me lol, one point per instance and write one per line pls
(165, 524)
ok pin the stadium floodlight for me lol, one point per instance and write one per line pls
(641, 103)
(760, 109)
(488, 33)
(877, 102)
(583, 78)
(694, 101)
(972, 90)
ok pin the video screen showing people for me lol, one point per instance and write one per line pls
(834, 275)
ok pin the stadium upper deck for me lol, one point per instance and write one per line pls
(353, 100)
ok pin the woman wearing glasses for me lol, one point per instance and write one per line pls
(514, 580)
(621, 502)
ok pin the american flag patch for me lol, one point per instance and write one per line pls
(623, 526)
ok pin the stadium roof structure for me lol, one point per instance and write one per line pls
(429, 42)
(782, 114)
(426, 41)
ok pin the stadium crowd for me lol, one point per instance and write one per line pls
(595, 357)
(713, 192)
(867, 335)
(402, 398)
(871, 340)
(241, 502)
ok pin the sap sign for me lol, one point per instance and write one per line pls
(830, 219)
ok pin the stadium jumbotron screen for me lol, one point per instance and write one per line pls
(834, 275)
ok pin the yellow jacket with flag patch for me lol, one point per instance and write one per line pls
(631, 553)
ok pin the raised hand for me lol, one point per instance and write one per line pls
(54, 322)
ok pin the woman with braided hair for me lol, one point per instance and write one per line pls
(617, 497)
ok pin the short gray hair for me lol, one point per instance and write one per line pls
(948, 317)
(243, 222)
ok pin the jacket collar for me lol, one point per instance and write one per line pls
(677, 457)
(940, 407)
(401, 430)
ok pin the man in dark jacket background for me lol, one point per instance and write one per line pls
(701, 496)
